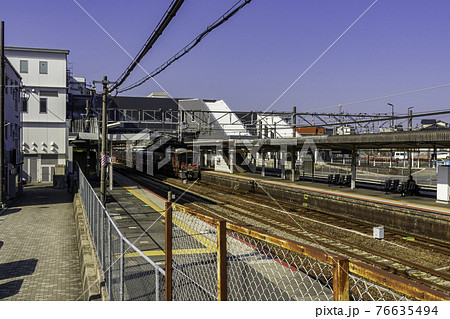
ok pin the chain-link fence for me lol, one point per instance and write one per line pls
(362, 289)
(194, 259)
(210, 259)
(255, 269)
(258, 270)
(263, 267)
(129, 274)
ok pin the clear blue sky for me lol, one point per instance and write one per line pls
(398, 46)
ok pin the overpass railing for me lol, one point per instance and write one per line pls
(129, 274)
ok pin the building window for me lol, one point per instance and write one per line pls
(24, 105)
(43, 105)
(43, 67)
(23, 66)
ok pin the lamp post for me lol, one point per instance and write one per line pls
(411, 154)
(392, 119)
(410, 118)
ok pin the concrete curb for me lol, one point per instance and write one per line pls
(93, 282)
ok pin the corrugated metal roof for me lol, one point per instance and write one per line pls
(43, 50)
(230, 123)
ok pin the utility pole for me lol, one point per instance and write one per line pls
(2, 113)
(294, 121)
(103, 158)
(410, 118)
(392, 118)
(104, 132)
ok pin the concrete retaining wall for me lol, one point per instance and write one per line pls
(91, 272)
(404, 219)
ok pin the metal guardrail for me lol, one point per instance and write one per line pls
(129, 274)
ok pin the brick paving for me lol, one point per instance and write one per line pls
(38, 247)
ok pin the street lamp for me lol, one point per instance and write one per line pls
(392, 119)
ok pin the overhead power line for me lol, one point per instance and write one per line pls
(382, 97)
(231, 12)
(163, 23)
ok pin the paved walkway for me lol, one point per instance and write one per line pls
(38, 247)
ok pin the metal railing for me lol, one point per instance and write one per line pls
(129, 274)
(217, 260)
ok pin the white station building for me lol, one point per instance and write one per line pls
(45, 131)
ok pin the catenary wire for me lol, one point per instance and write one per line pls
(380, 98)
(231, 12)
(157, 32)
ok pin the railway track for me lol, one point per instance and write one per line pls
(350, 223)
(299, 222)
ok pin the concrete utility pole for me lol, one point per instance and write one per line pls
(2, 113)
(103, 150)
(410, 118)
(294, 121)
(103, 158)
(392, 119)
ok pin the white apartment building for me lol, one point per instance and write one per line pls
(12, 128)
(45, 131)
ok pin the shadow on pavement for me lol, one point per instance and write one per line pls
(10, 288)
(43, 195)
(17, 268)
(11, 211)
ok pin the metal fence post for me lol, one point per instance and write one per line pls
(97, 228)
(102, 238)
(158, 297)
(341, 290)
(108, 264)
(88, 208)
(168, 249)
(94, 222)
(222, 260)
(91, 213)
(122, 271)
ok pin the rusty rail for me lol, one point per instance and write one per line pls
(342, 267)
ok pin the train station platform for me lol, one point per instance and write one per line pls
(138, 213)
(412, 214)
(38, 247)
(424, 203)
